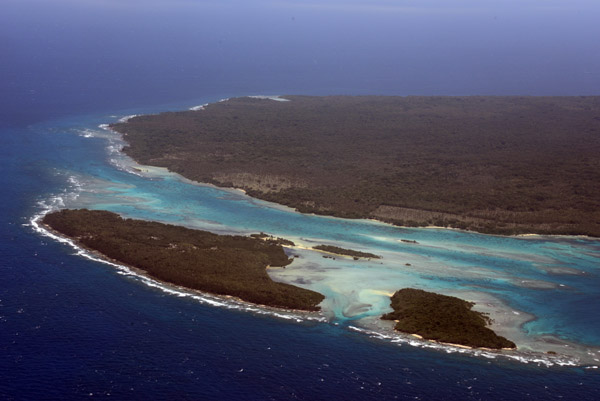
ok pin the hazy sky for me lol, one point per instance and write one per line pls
(178, 49)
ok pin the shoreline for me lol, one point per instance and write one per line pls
(489, 225)
(142, 169)
(384, 330)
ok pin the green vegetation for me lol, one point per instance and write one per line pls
(442, 318)
(271, 239)
(219, 264)
(504, 165)
(347, 252)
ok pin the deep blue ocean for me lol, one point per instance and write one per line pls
(71, 327)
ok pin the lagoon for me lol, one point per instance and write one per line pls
(71, 327)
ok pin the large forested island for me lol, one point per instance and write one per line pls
(442, 318)
(505, 165)
(219, 264)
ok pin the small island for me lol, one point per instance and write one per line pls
(493, 164)
(273, 240)
(195, 259)
(442, 318)
(346, 252)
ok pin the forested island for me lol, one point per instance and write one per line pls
(346, 252)
(503, 165)
(442, 318)
(199, 260)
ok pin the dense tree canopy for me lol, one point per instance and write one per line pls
(346, 252)
(442, 318)
(200, 260)
(493, 164)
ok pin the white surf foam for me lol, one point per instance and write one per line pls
(87, 133)
(127, 118)
(277, 98)
(199, 107)
(114, 149)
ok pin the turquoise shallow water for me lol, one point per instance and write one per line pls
(548, 284)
